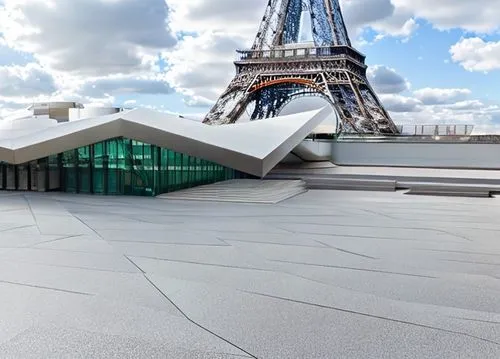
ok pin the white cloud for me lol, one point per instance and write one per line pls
(7, 107)
(386, 80)
(233, 17)
(88, 37)
(87, 50)
(381, 15)
(200, 67)
(25, 81)
(198, 101)
(130, 103)
(475, 54)
(482, 117)
(203, 78)
(466, 105)
(430, 105)
(433, 106)
(114, 85)
(398, 103)
(399, 18)
(359, 13)
(441, 96)
(474, 16)
(399, 25)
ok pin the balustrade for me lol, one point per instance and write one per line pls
(301, 53)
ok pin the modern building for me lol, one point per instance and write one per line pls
(139, 152)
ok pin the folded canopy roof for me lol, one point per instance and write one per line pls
(252, 147)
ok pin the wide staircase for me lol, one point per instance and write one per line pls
(413, 181)
(242, 191)
(287, 181)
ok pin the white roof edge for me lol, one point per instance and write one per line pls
(254, 147)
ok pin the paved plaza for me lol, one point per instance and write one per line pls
(326, 274)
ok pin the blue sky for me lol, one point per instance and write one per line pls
(425, 61)
(175, 55)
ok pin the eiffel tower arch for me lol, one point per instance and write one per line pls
(284, 64)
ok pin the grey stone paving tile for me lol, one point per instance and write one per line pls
(320, 253)
(472, 294)
(126, 287)
(287, 329)
(9, 220)
(284, 239)
(383, 247)
(299, 288)
(186, 237)
(65, 225)
(120, 223)
(482, 237)
(53, 342)
(14, 318)
(224, 256)
(285, 285)
(401, 276)
(85, 243)
(7, 228)
(117, 319)
(233, 226)
(113, 262)
(24, 237)
(373, 232)
(40, 205)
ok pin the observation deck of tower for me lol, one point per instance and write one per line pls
(302, 48)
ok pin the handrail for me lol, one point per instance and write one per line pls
(436, 130)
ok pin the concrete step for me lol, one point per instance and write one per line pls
(424, 185)
(438, 178)
(242, 191)
(330, 182)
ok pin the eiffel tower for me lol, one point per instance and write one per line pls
(302, 49)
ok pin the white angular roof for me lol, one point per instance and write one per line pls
(252, 147)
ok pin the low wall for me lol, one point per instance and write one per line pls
(317, 150)
(443, 155)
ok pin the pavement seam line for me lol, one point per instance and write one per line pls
(184, 314)
(373, 316)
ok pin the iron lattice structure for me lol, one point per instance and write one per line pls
(279, 68)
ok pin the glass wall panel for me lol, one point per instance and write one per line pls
(69, 167)
(84, 170)
(3, 167)
(98, 172)
(115, 166)
(53, 174)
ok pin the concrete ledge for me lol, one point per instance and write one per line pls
(450, 190)
(420, 155)
(351, 184)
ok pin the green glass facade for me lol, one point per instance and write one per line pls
(116, 166)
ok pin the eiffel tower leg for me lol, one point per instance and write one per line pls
(359, 109)
(380, 117)
(232, 103)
